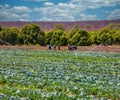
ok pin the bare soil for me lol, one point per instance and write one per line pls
(114, 48)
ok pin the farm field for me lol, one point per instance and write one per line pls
(59, 75)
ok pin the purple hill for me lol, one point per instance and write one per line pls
(47, 26)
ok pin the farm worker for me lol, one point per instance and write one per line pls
(49, 46)
(69, 47)
(59, 47)
(54, 46)
(106, 46)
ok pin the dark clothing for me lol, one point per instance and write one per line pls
(58, 47)
(54, 46)
(49, 47)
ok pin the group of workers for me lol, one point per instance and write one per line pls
(69, 47)
(54, 46)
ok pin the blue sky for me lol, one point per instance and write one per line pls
(59, 10)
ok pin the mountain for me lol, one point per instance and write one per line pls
(47, 26)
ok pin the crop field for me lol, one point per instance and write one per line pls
(59, 75)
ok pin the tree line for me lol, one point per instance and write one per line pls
(33, 35)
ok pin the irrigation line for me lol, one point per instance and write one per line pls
(4, 42)
(8, 44)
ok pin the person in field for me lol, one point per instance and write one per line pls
(69, 47)
(58, 46)
(54, 46)
(49, 46)
(106, 46)
(74, 47)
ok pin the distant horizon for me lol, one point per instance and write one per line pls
(66, 21)
(50, 25)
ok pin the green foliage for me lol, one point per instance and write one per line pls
(116, 37)
(107, 36)
(63, 40)
(0, 28)
(9, 35)
(73, 32)
(75, 39)
(32, 35)
(88, 26)
(48, 37)
(56, 37)
(20, 39)
(59, 27)
(81, 37)
(76, 27)
(94, 38)
(113, 26)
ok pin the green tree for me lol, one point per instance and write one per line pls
(105, 36)
(0, 28)
(63, 40)
(113, 26)
(116, 37)
(75, 39)
(94, 39)
(110, 34)
(56, 37)
(76, 27)
(84, 38)
(72, 33)
(33, 34)
(60, 26)
(81, 37)
(20, 39)
(9, 35)
(48, 37)
(88, 26)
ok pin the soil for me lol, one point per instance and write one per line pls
(113, 48)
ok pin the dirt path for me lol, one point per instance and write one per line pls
(114, 48)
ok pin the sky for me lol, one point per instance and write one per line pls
(59, 10)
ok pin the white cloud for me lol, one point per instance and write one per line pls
(25, 16)
(56, 18)
(106, 11)
(7, 16)
(72, 9)
(19, 9)
(87, 17)
(13, 14)
(60, 12)
(45, 19)
(48, 4)
(95, 3)
(115, 14)
(4, 6)
(23, 19)
(40, 0)
(36, 0)
(69, 11)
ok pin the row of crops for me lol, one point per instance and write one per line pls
(59, 75)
